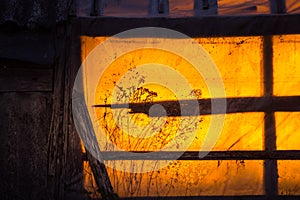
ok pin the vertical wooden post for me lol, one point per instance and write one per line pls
(277, 6)
(158, 7)
(163, 7)
(57, 139)
(96, 163)
(270, 166)
(205, 7)
(97, 8)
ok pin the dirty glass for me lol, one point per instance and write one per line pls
(286, 62)
(288, 177)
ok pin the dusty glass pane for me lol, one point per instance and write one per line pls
(287, 130)
(244, 7)
(241, 73)
(241, 131)
(192, 178)
(286, 62)
(289, 177)
(181, 8)
(239, 62)
(292, 6)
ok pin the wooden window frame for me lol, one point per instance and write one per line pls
(224, 26)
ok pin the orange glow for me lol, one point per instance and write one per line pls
(89, 182)
(287, 130)
(286, 65)
(114, 73)
(240, 69)
(239, 61)
(192, 178)
(289, 177)
(240, 132)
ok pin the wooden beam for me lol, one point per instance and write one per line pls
(25, 80)
(85, 127)
(270, 166)
(212, 155)
(244, 197)
(28, 46)
(201, 26)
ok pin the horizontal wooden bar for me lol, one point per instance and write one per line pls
(194, 155)
(253, 197)
(28, 46)
(233, 105)
(239, 197)
(199, 26)
(25, 79)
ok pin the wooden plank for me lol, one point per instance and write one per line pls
(25, 80)
(85, 127)
(212, 155)
(246, 197)
(254, 197)
(56, 131)
(234, 105)
(74, 171)
(28, 47)
(207, 25)
(25, 119)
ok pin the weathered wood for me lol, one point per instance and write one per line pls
(237, 197)
(25, 119)
(85, 127)
(277, 6)
(212, 155)
(207, 25)
(98, 8)
(28, 46)
(25, 80)
(74, 171)
(56, 137)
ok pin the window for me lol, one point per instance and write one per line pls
(257, 153)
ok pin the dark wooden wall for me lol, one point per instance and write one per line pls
(40, 153)
(25, 104)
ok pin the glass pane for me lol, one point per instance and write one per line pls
(181, 8)
(244, 7)
(287, 130)
(192, 178)
(240, 71)
(289, 177)
(239, 62)
(241, 131)
(286, 61)
(292, 6)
